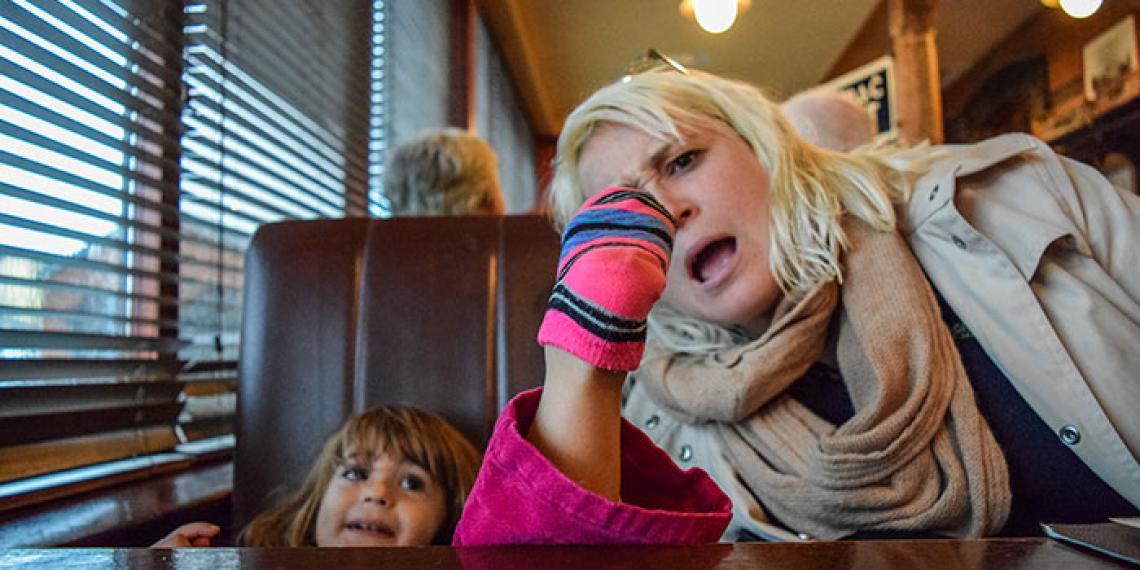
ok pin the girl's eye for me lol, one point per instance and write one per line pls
(413, 483)
(681, 163)
(355, 473)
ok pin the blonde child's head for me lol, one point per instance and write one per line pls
(443, 172)
(392, 475)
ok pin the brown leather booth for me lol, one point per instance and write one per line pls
(341, 315)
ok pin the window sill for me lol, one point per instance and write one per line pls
(132, 514)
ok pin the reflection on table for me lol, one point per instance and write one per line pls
(1005, 553)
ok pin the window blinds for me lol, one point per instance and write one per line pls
(141, 144)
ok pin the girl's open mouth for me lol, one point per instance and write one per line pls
(371, 528)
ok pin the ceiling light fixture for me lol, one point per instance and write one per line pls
(1075, 8)
(714, 16)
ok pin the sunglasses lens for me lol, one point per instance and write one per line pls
(653, 60)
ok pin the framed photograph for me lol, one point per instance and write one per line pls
(1108, 58)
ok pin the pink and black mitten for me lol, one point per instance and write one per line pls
(615, 253)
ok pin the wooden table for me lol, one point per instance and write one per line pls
(1005, 553)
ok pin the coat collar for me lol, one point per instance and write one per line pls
(1038, 224)
(935, 188)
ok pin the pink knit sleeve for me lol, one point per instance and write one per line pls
(521, 498)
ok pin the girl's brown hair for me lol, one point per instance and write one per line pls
(418, 436)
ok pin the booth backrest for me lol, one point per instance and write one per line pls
(341, 315)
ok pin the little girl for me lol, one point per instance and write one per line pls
(391, 476)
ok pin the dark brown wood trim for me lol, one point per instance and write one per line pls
(462, 46)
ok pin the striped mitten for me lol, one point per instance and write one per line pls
(615, 253)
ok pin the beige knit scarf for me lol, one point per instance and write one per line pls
(917, 455)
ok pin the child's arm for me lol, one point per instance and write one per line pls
(578, 423)
(561, 465)
(189, 535)
(615, 254)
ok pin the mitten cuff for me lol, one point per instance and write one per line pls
(566, 333)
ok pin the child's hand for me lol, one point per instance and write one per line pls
(615, 253)
(188, 535)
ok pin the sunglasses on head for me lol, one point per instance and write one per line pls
(651, 61)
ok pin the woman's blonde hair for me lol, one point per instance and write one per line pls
(809, 188)
(418, 436)
(443, 172)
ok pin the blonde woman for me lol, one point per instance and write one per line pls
(939, 341)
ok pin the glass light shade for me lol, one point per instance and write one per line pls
(1080, 8)
(715, 16)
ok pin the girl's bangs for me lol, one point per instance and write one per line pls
(388, 435)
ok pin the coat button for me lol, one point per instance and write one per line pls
(652, 422)
(933, 193)
(958, 242)
(1070, 435)
(686, 453)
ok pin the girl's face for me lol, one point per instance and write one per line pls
(718, 191)
(380, 500)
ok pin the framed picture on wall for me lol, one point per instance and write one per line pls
(1108, 58)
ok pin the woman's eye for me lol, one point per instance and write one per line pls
(413, 483)
(355, 473)
(683, 162)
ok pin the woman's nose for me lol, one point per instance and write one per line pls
(683, 210)
(683, 213)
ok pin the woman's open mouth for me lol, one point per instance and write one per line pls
(712, 261)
